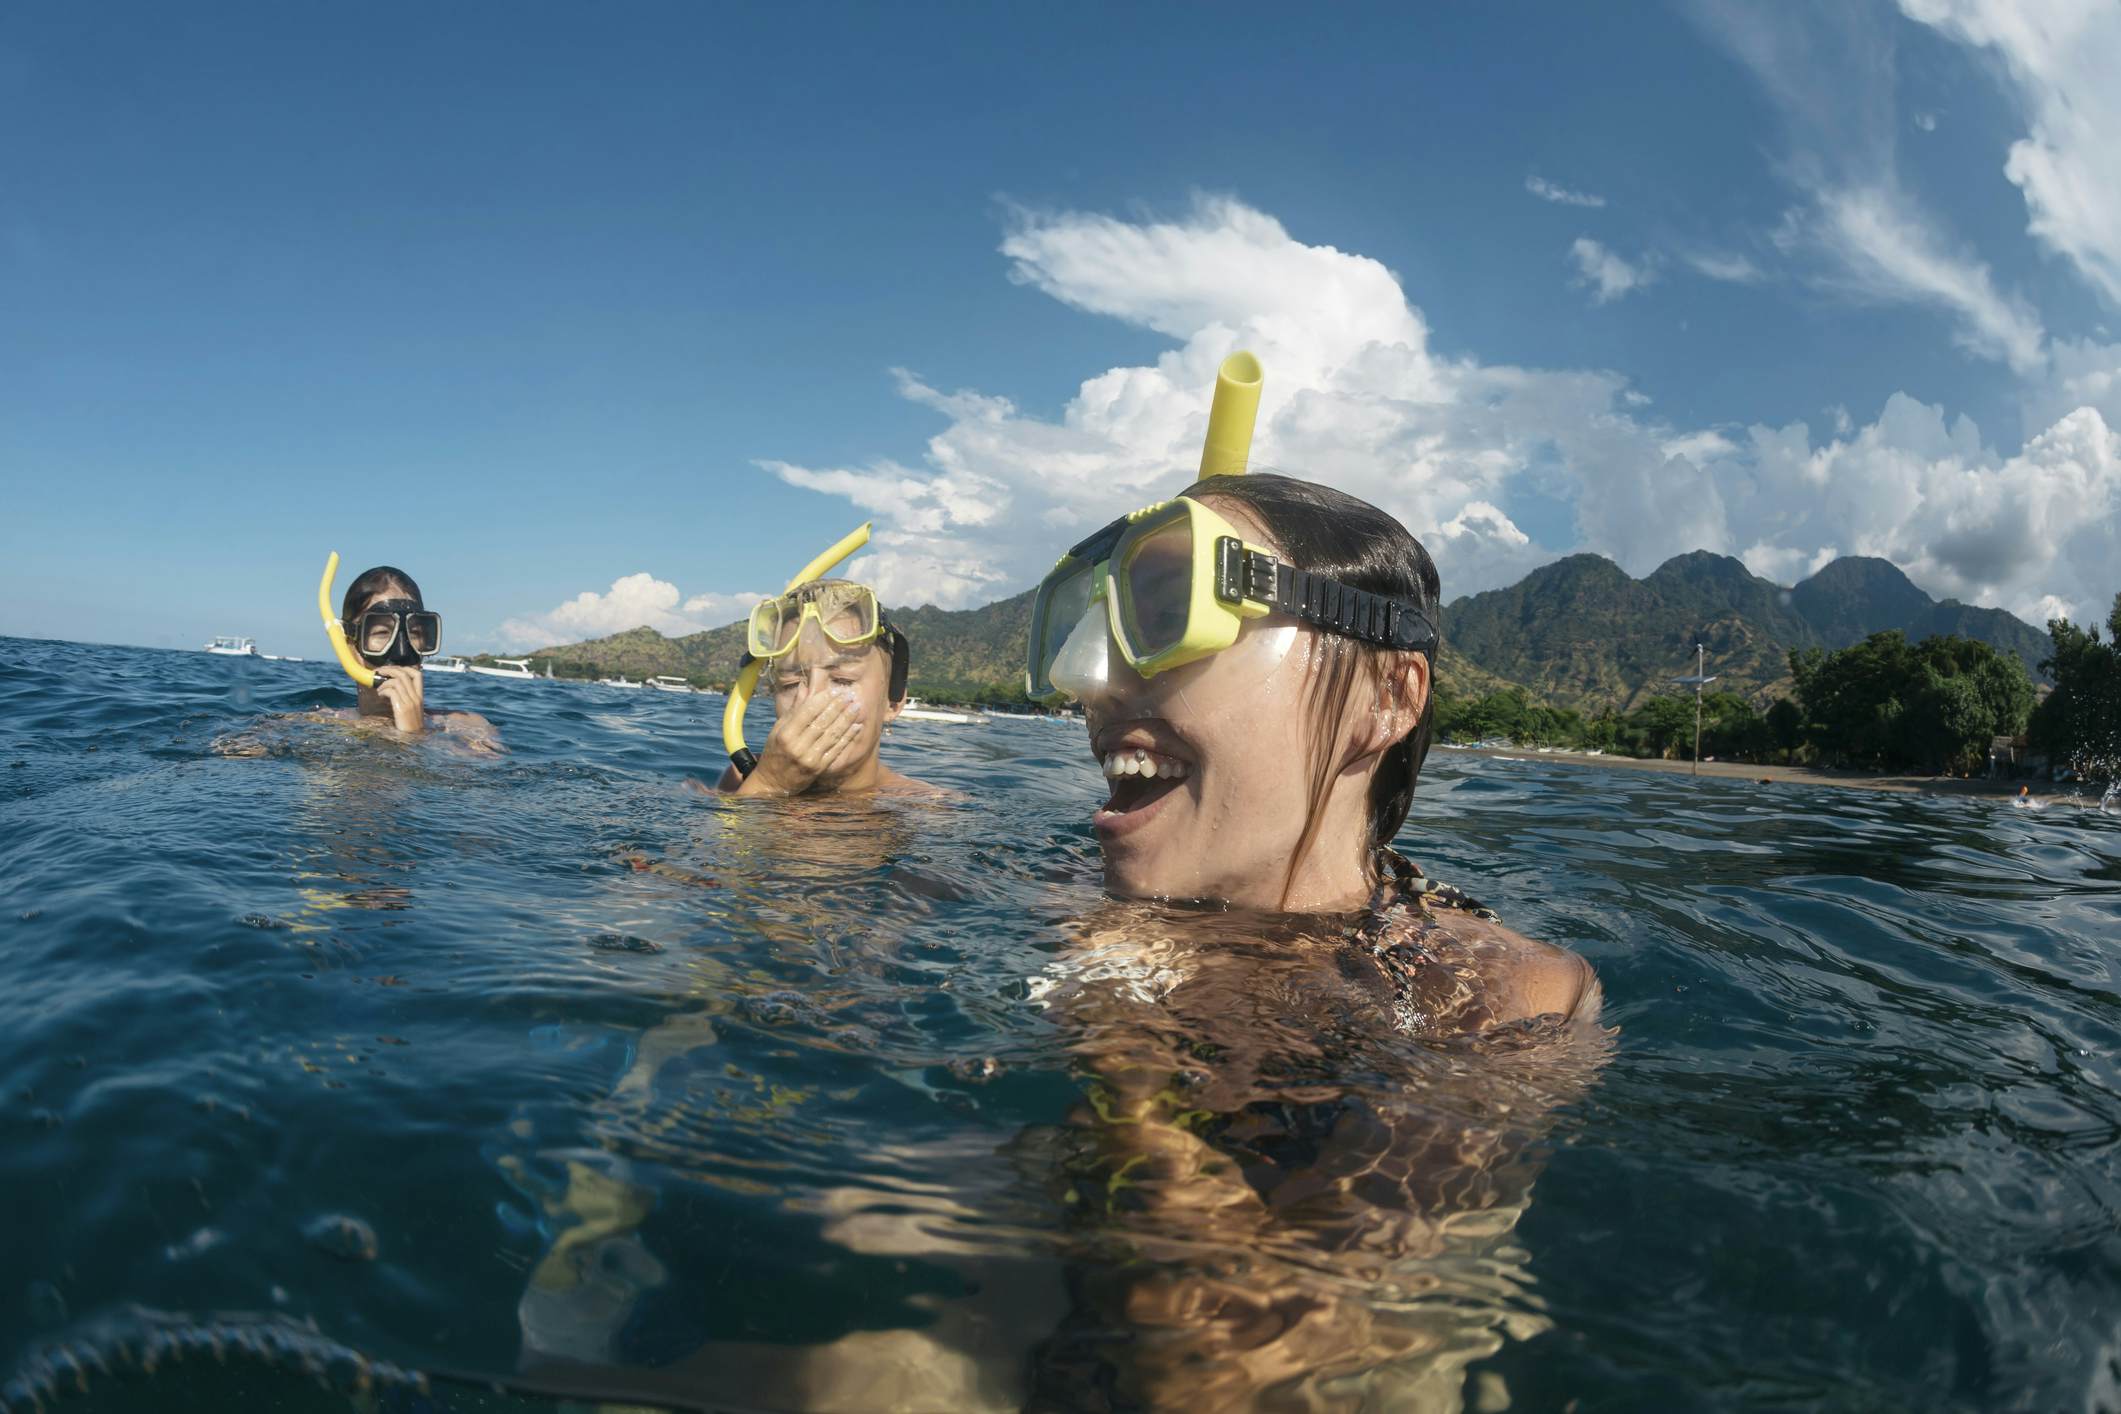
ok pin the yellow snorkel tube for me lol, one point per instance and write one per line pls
(336, 631)
(747, 676)
(1231, 417)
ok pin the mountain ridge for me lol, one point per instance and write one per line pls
(1577, 632)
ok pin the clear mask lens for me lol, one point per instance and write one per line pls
(377, 633)
(1155, 584)
(1082, 668)
(847, 612)
(1061, 603)
(424, 632)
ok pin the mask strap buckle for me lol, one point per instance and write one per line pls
(1244, 574)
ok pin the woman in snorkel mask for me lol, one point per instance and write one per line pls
(1311, 1114)
(389, 631)
(1255, 661)
(836, 667)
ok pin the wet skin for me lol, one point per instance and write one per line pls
(1212, 767)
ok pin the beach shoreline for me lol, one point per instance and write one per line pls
(2045, 792)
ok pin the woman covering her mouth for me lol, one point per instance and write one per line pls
(1255, 660)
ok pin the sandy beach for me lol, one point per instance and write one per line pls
(2044, 792)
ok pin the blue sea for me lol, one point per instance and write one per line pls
(342, 1073)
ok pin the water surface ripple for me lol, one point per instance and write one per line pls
(340, 1073)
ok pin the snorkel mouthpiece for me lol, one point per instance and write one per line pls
(336, 631)
(1231, 417)
(747, 677)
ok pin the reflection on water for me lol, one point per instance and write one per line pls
(1270, 1188)
(633, 1093)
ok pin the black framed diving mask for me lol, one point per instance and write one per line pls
(395, 633)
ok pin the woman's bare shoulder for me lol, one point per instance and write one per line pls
(1526, 978)
(474, 730)
(893, 783)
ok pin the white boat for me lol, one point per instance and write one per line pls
(281, 658)
(506, 668)
(447, 664)
(229, 646)
(620, 681)
(663, 682)
(913, 711)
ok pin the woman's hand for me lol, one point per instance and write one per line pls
(405, 690)
(813, 741)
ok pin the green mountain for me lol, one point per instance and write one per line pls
(1857, 596)
(1579, 632)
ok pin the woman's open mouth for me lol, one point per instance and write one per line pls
(1141, 781)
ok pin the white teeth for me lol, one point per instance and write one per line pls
(1143, 763)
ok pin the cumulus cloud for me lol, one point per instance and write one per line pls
(1560, 195)
(2059, 62)
(634, 601)
(1606, 274)
(2028, 531)
(1355, 396)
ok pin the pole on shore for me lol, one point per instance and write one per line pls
(1700, 680)
(1701, 665)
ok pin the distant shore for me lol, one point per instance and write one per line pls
(1795, 775)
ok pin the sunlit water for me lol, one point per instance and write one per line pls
(340, 1073)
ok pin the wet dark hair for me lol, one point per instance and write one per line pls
(1332, 533)
(900, 651)
(382, 582)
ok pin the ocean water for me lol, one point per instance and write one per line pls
(339, 1073)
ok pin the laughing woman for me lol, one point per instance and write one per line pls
(1310, 1107)
(1255, 660)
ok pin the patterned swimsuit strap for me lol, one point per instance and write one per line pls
(1404, 881)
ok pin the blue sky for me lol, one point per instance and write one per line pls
(589, 314)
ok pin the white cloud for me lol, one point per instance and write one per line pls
(2026, 530)
(633, 601)
(1727, 266)
(1891, 251)
(1560, 195)
(1829, 70)
(2059, 60)
(1606, 274)
(1699, 447)
(1926, 121)
(1355, 397)
(716, 609)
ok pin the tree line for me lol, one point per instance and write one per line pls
(1884, 704)
(2079, 725)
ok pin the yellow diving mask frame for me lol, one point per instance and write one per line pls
(777, 624)
(1178, 582)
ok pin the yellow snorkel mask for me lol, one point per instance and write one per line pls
(747, 677)
(1173, 583)
(336, 631)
